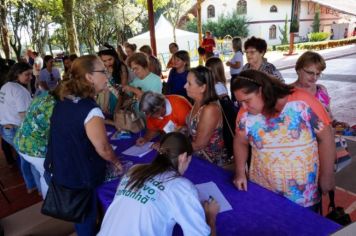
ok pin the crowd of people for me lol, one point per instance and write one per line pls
(58, 129)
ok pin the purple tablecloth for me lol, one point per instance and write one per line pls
(255, 212)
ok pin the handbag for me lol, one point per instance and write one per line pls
(66, 203)
(337, 214)
(343, 157)
(126, 118)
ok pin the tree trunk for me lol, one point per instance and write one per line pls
(174, 34)
(3, 29)
(68, 6)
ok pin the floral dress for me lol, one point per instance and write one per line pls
(32, 136)
(215, 151)
(285, 155)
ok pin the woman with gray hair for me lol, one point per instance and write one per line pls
(163, 114)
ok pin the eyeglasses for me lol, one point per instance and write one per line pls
(250, 51)
(106, 72)
(312, 73)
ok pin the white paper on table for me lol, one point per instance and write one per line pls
(108, 133)
(113, 147)
(138, 151)
(211, 189)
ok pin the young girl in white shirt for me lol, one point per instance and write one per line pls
(152, 198)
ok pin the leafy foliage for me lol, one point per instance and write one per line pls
(233, 25)
(284, 32)
(318, 36)
(316, 22)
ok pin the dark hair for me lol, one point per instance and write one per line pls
(16, 70)
(46, 59)
(118, 64)
(146, 49)
(217, 68)
(237, 44)
(173, 44)
(201, 51)
(184, 56)
(121, 53)
(132, 46)
(72, 57)
(308, 58)
(272, 89)
(171, 146)
(257, 43)
(138, 58)
(204, 76)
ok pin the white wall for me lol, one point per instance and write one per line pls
(261, 19)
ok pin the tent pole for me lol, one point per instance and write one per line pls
(199, 28)
(151, 23)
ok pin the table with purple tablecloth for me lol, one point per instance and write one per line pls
(255, 212)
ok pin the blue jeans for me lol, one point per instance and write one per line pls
(28, 171)
(88, 227)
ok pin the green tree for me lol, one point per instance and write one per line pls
(233, 25)
(316, 21)
(284, 31)
(175, 10)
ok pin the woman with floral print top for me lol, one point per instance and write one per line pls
(293, 148)
(205, 120)
(32, 136)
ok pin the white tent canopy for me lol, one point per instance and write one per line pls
(164, 36)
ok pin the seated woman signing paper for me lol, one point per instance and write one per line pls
(163, 114)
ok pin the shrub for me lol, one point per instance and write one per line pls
(232, 24)
(318, 45)
(318, 36)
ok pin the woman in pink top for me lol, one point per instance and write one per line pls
(309, 68)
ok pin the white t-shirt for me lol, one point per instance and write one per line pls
(39, 63)
(220, 89)
(237, 57)
(155, 209)
(14, 98)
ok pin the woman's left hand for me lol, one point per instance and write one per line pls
(156, 146)
(127, 88)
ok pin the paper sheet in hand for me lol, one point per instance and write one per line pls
(138, 151)
(211, 189)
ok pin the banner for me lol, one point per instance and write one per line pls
(294, 24)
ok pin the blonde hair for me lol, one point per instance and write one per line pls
(78, 85)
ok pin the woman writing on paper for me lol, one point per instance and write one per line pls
(152, 198)
(163, 114)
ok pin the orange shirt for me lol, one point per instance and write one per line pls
(180, 109)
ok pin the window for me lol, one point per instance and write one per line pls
(211, 11)
(273, 9)
(273, 32)
(241, 7)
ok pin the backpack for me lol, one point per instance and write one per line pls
(229, 112)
